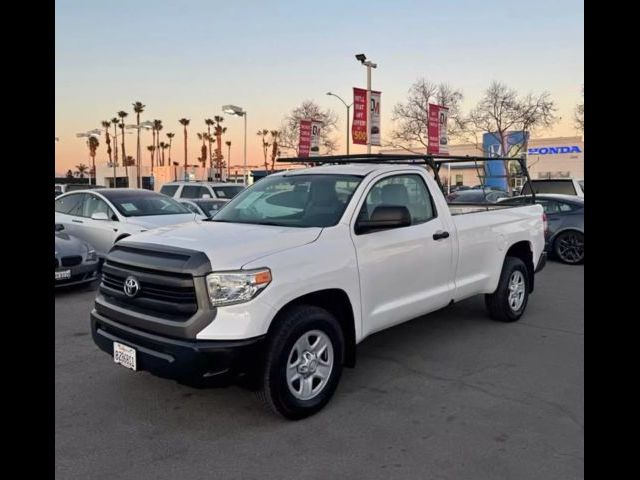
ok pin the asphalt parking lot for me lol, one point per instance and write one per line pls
(453, 395)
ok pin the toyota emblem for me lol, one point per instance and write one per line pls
(131, 286)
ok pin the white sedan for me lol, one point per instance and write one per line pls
(102, 217)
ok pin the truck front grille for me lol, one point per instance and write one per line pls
(161, 293)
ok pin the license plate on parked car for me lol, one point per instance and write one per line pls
(125, 356)
(63, 274)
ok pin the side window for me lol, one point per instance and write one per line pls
(70, 204)
(565, 207)
(169, 190)
(93, 204)
(205, 192)
(549, 206)
(191, 207)
(190, 191)
(401, 190)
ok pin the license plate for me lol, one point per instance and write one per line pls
(125, 356)
(63, 274)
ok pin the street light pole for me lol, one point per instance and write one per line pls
(235, 110)
(362, 58)
(348, 107)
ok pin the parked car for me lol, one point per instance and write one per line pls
(292, 273)
(191, 190)
(76, 261)
(565, 217)
(476, 196)
(206, 208)
(103, 217)
(563, 186)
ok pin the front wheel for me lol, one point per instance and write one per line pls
(508, 302)
(303, 362)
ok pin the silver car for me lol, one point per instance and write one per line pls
(103, 217)
(76, 261)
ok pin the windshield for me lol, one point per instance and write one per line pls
(581, 182)
(227, 192)
(292, 201)
(136, 205)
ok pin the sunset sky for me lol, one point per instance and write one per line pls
(188, 58)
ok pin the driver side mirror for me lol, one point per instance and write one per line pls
(99, 216)
(59, 227)
(384, 218)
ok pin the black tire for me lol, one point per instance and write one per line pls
(498, 303)
(568, 246)
(292, 325)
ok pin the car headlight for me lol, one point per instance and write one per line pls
(92, 256)
(228, 288)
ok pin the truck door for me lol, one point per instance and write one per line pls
(404, 272)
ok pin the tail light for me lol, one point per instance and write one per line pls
(545, 224)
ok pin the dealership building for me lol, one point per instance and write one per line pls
(556, 157)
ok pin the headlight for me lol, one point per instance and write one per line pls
(228, 288)
(92, 256)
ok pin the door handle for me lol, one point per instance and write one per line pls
(439, 235)
(77, 221)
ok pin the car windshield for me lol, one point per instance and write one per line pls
(581, 182)
(297, 200)
(211, 207)
(147, 204)
(227, 191)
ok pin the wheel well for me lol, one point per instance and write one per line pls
(336, 302)
(522, 250)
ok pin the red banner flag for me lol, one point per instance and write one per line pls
(304, 141)
(437, 129)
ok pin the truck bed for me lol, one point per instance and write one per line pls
(465, 208)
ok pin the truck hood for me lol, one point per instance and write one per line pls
(229, 246)
(154, 221)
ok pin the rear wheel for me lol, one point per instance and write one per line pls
(303, 362)
(569, 247)
(508, 302)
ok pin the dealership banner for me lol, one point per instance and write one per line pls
(315, 138)
(359, 125)
(496, 170)
(438, 140)
(304, 141)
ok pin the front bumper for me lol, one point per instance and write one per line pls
(189, 360)
(542, 261)
(83, 273)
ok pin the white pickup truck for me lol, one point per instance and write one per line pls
(298, 269)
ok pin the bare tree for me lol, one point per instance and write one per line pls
(309, 110)
(501, 111)
(578, 116)
(412, 116)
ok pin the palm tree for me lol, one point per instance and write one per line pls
(93, 146)
(163, 147)
(157, 126)
(152, 149)
(81, 168)
(106, 124)
(138, 108)
(275, 134)
(203, 151)
(170, 136)
(115, 122)
(219, 130)
(184, 122)
(209, 123)
(265, 146)
(228, 144)
(122, 114)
